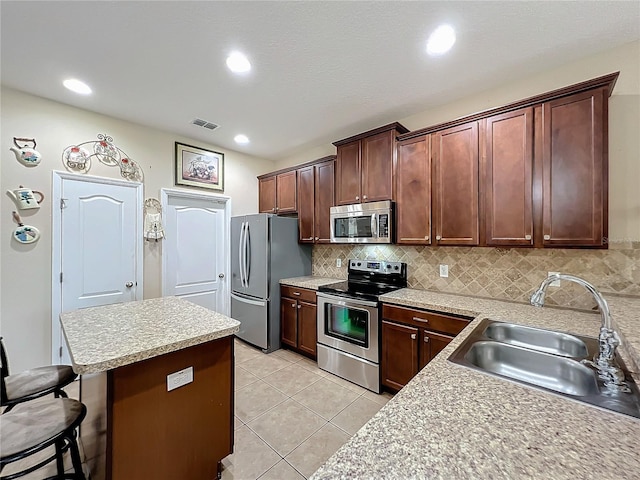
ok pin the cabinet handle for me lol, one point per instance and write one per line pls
(413, 336)
(357, 197)
(296, 293)
(417, 319)
(527, 237)
(310, 238)
(547, 237)
(426, 339)
(438, 237)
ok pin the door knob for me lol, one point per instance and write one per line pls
(221, 275)
(128, 284)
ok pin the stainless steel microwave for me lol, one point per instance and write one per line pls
(362, 223)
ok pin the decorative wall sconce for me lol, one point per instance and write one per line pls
(77, 158)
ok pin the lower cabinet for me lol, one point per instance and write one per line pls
(298, 319)
(411, 338)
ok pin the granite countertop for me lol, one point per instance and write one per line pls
(454, 422)
(309, 281)
(111, 336)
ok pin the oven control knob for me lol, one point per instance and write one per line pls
(396, 267)
(359, 264)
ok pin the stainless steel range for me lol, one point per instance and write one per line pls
(349, 320)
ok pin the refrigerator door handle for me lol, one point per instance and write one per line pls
(257, 303)
(247, 258)
(241, 255)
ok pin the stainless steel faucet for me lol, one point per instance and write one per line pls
(604, 362)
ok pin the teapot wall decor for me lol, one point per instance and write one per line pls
(25, 154)
(25, 198)
(77, 158)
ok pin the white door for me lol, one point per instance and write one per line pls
(195, 249)
(97, 235)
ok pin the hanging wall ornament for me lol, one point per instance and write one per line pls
(77, 158)
(24, 233)
(153, 229)
(25, 151)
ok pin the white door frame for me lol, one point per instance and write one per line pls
(219, 202)
(56, 245)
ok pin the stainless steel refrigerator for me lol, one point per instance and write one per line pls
(264, 249)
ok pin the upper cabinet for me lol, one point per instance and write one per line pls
(315, 198)
(277, 193)
(365, 165)
(413, 191)
(507, 178)
(574, 170)
(455, 185)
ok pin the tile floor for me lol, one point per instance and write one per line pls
(290, 416)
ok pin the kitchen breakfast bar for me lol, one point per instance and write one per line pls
(142, 421)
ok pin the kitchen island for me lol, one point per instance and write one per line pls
(142, 422)
(453, 422)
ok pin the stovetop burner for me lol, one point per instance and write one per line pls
(368, 279)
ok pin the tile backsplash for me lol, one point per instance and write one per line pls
(506, 273)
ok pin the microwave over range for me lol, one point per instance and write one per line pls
(362, 223)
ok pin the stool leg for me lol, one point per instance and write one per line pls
(59, 458)
(75, 457)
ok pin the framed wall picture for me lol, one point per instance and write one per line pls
(197, 167)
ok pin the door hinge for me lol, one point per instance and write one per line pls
(63, 203)
(60, 277)
(60, 354)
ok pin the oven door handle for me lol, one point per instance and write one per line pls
(346, 300)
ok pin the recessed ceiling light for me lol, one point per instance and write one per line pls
(441, 40)
(241, 139)
(77, 86)
(238, 63)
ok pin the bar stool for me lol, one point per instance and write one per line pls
(33, 383)
(34, 426)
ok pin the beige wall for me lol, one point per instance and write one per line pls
(624, 125)
(25, 314)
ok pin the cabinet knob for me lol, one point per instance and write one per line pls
(527, 237)
(317, 238)
(128, 284)
(364, 197)
(426, 237)
(273, 209)
(413, 336)
(438, 237)
(426, 339)
(357, 197)
(547, 237)
(293, 305)
(299, 306)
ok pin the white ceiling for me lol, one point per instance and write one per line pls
(322, 71)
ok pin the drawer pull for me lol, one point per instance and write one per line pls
(413, 336)
(425, 320)
(296, 293)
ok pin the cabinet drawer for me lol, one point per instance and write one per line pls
(429, 320)
(298, 293)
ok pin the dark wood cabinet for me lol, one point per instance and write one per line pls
(365, 165)
(278, 193)
(455, 185)
(507, 166)
(413, 191)
(575, 170)
(298, 319)
(315, 198)
(411, 338)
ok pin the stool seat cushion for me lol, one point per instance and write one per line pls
(37, 380)
(32, 423)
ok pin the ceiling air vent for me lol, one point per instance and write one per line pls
(204, 124)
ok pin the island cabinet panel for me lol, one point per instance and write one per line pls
(315, 197)
(267, 195)
(298, 319)
(151, 427)
(508, 178)
(413, 191)
(411, 338)
(575, 170)
(455, 184)
(348, 173)
(278, 193)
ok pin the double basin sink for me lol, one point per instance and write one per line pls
(543, 359)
